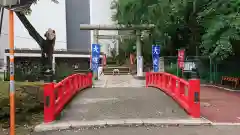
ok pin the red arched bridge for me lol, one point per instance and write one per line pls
(169, 97)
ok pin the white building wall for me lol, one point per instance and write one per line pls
(43, 17)
(41, 20)
(4, 37)
(100, 13)
(54, 16)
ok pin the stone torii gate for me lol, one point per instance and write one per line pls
(138, 29)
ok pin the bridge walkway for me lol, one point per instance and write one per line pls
(120, 98)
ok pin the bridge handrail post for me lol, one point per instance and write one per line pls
(173, 85)
(81, 82)
(163, 81)
(75, 81)
(90, 82)
(157, 80)
(78, 82)
(194, 97)
(160, 80)
(147, 78)
(84, 81)
(49, 102)
(150, 78)
(153, 79)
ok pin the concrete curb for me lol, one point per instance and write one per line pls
(139, 78)
(225, 124)
(219, 87)
(120, 122)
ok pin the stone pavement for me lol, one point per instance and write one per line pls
(192, 130)
(218, 105)
(118, 81)
(122, 103)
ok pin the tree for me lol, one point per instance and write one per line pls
(202, 27)
(46, 45)
(221, 20)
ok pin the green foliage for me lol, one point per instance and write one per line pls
(172, 69)
(121, 57)
(210, 25)
(62, 71)
(29, 10)
(128, 45)
(113, 53)
(222, 23)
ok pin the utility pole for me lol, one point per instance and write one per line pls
(12, 5)
(12, 85)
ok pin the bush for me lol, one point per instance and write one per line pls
(62, 71)
(172, 69)
(28, 101)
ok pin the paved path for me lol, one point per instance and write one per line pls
(219, 105)
(120, 100)
(122, 97)
(202, 130)
(107, 81)
(122, 103)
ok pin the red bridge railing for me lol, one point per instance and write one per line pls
(186, 93)
(56, 96)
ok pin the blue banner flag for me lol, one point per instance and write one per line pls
(95, 56)
(155, 57)
(156, 50)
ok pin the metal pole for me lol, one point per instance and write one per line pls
(12, 89)
(139, 54)
(210, 70)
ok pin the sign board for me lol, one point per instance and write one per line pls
(95, 57)
(132, 59)
(181, 54)
(155, 57)
(104, 61)
(188, 66)
(100, 70)
(161, 64)
(140, 65)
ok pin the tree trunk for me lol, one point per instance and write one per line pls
(1, 18)
(46, 63)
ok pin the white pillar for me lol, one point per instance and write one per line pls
(53, 64)
(95, 36)
(139, 54)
